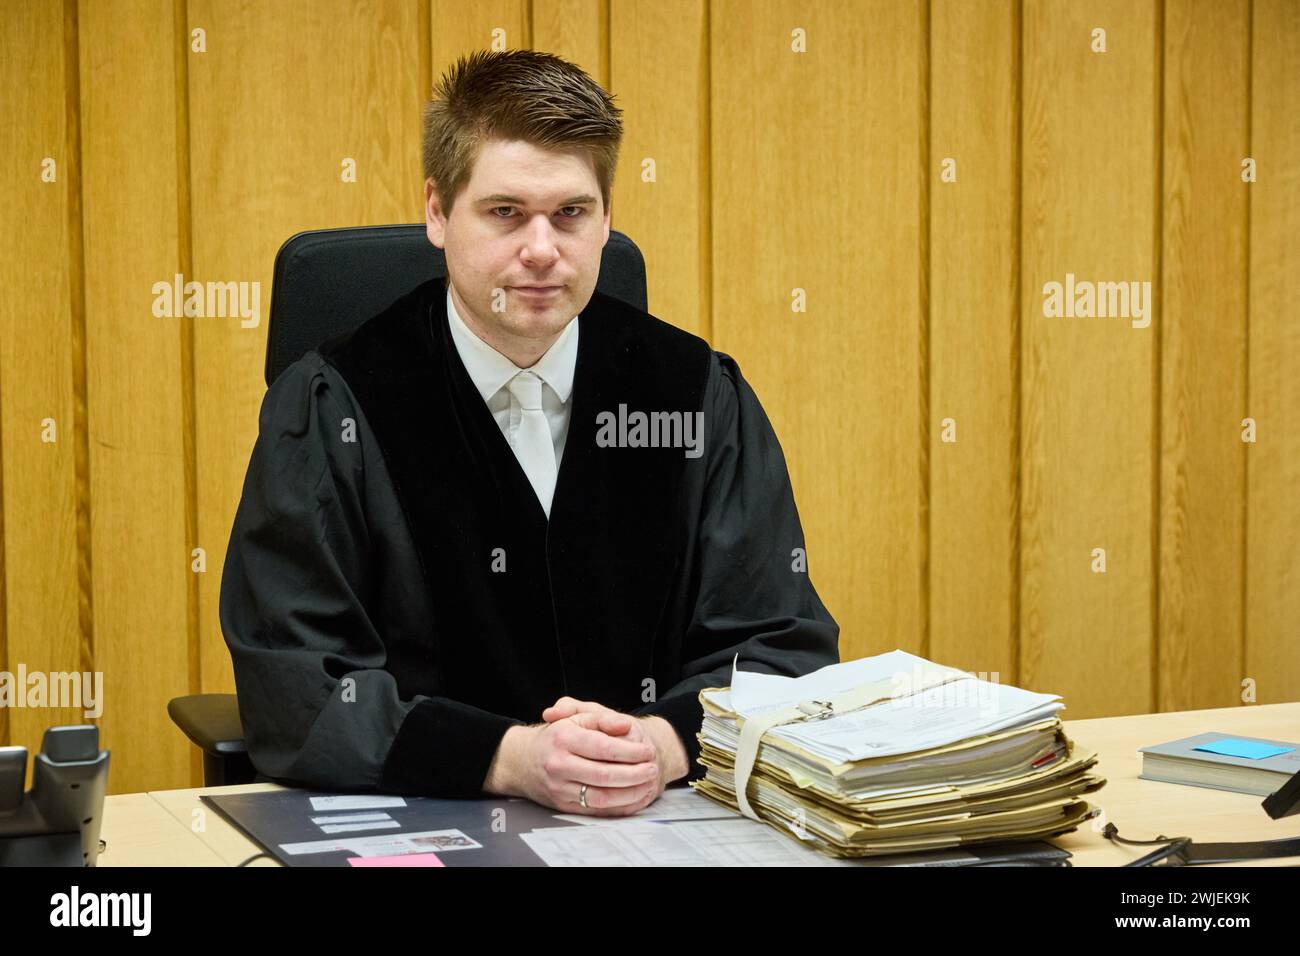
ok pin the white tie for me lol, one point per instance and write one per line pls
(533, 444)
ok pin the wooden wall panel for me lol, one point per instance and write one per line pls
(137, 387)
(1203, 358)
(576, 30)
(974, 335)
(817, 186)
(1272, 593)
(659, 69)
(457, 28)
(46, 580)
(1088, 399)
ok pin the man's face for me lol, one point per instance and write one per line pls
(528, 217)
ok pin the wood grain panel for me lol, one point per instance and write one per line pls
(974, 335)
(817, 185)
(576, 30)
(659, 71)
(1203, 359)
(457, 28)
(1088, 401)
(137, 422)
(47, 623)
(1272, 593)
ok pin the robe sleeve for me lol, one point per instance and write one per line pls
(754, 596)
(317, 706)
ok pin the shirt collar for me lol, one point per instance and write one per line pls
(490, 370)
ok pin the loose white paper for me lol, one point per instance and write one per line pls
(732, 842)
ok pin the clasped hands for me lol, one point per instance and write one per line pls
(625, 761)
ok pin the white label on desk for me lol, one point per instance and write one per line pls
(356, 801)
(427, 841)
(351, 818)
(353, 827)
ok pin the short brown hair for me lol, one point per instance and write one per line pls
(516, 94)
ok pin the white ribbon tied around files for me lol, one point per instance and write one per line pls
(754, 728)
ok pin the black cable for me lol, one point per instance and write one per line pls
(1172, 852)
(1111, 832)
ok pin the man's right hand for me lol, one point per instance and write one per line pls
(549, 763)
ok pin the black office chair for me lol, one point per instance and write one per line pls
(329, 281)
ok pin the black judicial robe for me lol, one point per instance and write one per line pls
(394, 597)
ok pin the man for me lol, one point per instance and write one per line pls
(509, 498)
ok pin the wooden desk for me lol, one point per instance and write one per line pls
(137, 831)
(220, 838)
(158, 828)
(1143, 809)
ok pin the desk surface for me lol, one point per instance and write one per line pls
(174, 828)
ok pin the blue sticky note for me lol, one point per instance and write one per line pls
(1251, 749)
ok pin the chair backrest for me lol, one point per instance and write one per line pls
(329, 281)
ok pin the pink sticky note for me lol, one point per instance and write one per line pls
(404, 859)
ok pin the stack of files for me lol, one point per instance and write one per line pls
(927, 757)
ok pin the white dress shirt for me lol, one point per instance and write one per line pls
(490, 371)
